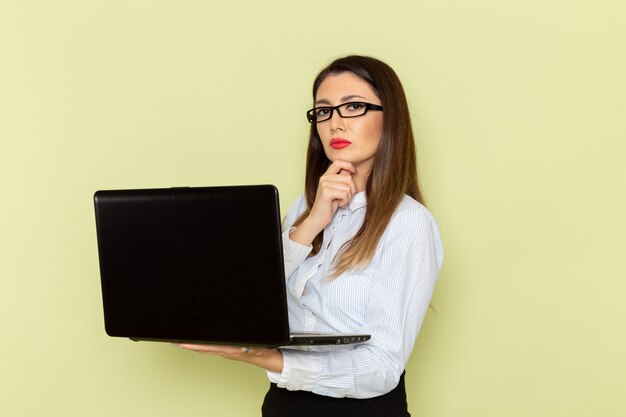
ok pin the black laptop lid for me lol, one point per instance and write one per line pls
(193, 264)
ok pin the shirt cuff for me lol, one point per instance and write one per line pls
(294, 253)
(300, 371)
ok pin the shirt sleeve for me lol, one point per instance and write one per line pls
(406, 273)
(293, 253)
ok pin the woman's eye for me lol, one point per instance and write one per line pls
(322, 112)
(353, 107)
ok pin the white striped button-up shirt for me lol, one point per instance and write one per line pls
(387, 299)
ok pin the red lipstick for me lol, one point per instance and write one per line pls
(339, 143)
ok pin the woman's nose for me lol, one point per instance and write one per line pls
(336, 121)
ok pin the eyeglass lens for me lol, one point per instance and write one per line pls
(345, 110)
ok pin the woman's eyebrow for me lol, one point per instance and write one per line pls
(343, 99)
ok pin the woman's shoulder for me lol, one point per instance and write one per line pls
(413, 221)
(409, 207)
(411, 215)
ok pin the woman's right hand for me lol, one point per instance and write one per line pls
(335, 189)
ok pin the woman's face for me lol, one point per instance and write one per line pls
(349, 139)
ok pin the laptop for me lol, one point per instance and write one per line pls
(197, 265)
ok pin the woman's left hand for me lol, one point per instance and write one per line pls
(270, 359)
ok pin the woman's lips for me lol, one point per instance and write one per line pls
(339, 143)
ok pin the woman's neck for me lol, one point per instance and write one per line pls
(361, 175)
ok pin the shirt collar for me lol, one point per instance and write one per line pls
(359, 200)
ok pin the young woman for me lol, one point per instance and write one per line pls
(362, 253)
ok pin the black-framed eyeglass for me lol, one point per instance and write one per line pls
(345, 110)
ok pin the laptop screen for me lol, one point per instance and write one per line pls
(193, 264)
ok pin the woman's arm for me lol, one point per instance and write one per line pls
(406, 272)
(335, 189)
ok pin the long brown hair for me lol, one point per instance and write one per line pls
(394, 168)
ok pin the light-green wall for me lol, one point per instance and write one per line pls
(520, 113)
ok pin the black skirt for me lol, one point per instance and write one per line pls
(280, 402)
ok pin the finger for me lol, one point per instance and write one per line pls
(348, 176)
(327, 185)
(339, 165)
(210, 349)
(334, 191)
(340, 195)
(341, 182)
(337, 179)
